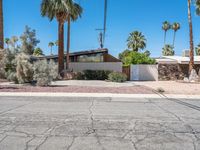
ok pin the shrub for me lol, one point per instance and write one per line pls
(2, 64)
(95, 74)
(44, 73)
(24, 69)
(117, 77)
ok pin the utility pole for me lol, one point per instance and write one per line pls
(102, 31)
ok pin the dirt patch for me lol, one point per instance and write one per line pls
(79, 89)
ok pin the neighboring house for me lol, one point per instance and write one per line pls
(175, 67)
(98, 55)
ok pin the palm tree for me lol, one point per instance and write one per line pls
(51, 44)
(176, 26)
(1, 26)
(7, 40)
(191, 64)
(168, 50)
(57, 9)
(74, 12)
(136, 41)
(166, 26)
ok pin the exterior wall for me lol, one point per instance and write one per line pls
(112, 66)
(174, 71)
(110, 58)
(144, 73)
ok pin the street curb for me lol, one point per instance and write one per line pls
(100, 95)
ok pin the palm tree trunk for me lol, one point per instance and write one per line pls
(1, 26)
(51, 51)
(61, 47)
(174, 38)
(68, 42)
(165, 37)
(191, 64)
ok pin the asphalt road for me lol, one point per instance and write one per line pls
(98, 124)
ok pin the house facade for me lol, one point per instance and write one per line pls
(97, 55)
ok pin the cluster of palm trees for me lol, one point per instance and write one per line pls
(63, 11)
(51, 45)
(167, 26)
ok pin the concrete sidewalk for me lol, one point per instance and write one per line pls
(100, 95)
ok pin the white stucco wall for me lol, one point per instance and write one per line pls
(144, 72)
(112, 66)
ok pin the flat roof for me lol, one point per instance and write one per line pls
(85, 52)
(177, 60)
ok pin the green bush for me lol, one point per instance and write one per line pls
(93, 75)
(131, 57)
(117, 77)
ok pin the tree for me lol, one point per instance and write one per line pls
(74, 12)
(191, 64)
(136, 41)
(197, 49)
(51, 44)
(176, 26)
(7, 40)
(38, 52)
(1, 26)
(168, 50)
(166, 26)
(57, 9)
(29, 41)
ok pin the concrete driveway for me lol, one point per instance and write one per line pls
(46, 123)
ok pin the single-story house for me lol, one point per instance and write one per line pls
(175, 67)
(97, 59)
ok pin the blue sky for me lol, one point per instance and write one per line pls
(124, 16)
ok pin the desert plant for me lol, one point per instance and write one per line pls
(24, 69)
(45, 72)
(53, 70)
(29, 41)
(117, 77)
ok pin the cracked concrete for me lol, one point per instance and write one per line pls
(98, 124)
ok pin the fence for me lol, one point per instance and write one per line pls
(144, 73)
(111, 66)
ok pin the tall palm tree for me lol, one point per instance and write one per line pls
(57, 9)
(191, 64)
(176, 26)
(74, 12)
(136, 41)
(166, 26)
(51, 44)
(1, 26)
